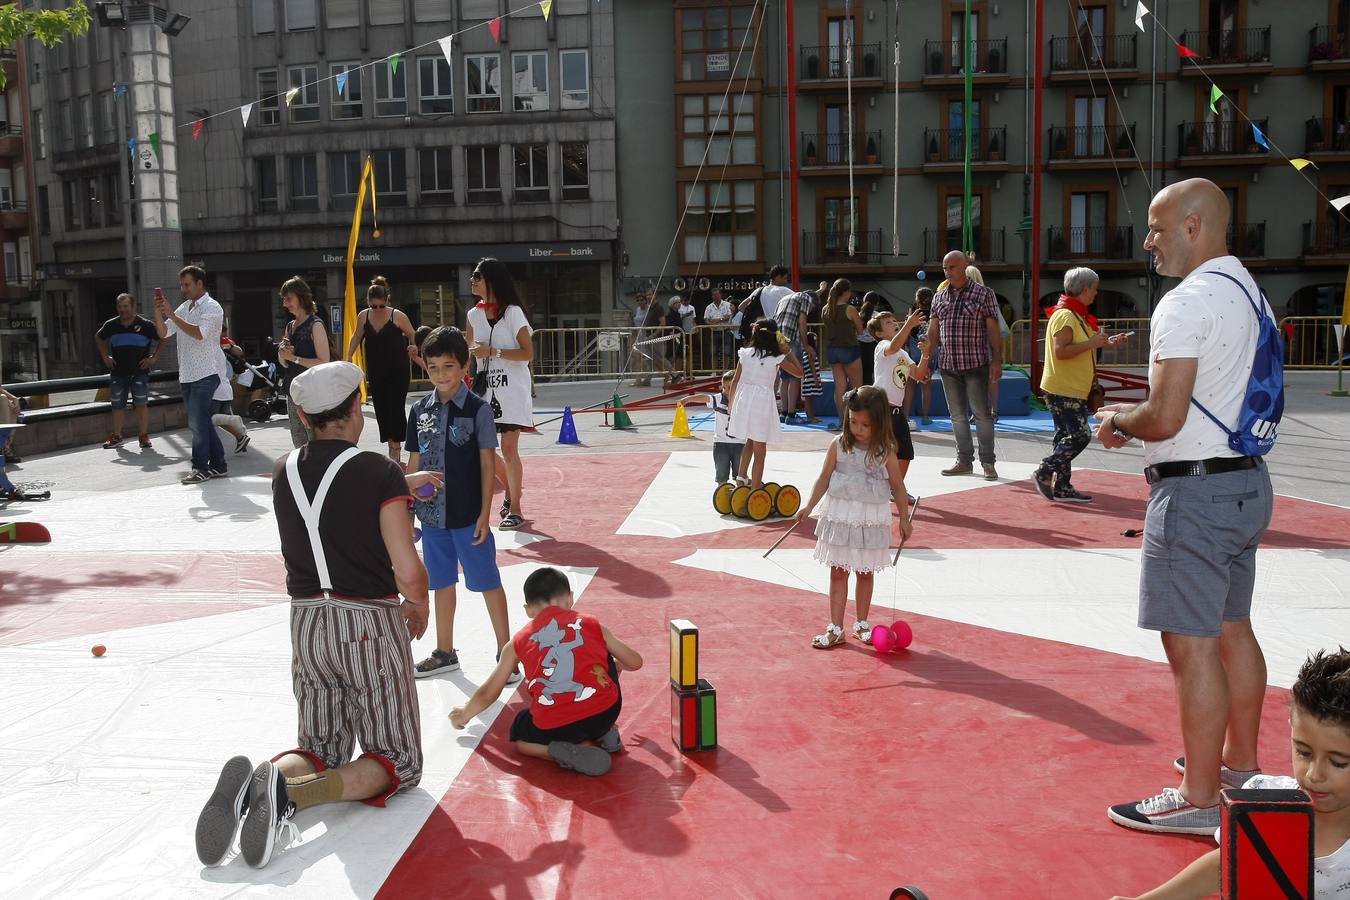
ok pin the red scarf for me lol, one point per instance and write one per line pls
(1074, 305)
(490, 309)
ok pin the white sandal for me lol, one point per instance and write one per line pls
(833, 637)
(862, 630)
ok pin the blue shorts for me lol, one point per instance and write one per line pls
(138, 386)
(446, 550)
(843, 356)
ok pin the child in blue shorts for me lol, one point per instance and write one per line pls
(451, 431)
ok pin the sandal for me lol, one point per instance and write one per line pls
(833, 637)
(512, 521)
(862, 630)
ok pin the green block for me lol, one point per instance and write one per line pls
(707, 715)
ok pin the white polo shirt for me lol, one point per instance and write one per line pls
(1208, 319)
(771, 296)
(198, 359)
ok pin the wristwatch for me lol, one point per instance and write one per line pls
(1120, 432)
(496, 352)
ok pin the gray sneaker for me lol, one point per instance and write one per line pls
(269, 813)
(1167, 813)
(1232, 778)
(219, 820)
(438, 663)
(195, 477)
(586, 760)
(611, 741)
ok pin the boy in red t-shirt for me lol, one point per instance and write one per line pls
(572, 665)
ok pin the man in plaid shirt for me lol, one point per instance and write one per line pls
(791, 318)
(964, 329)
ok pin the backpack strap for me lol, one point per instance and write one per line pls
(1259, 315)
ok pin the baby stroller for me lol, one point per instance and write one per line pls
(265, 397)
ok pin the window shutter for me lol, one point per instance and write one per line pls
(342, 13)
(431, 10)
(386, 12)
(264, 17)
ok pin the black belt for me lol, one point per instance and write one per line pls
(1154, 474)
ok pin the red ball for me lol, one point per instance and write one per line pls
(904, 635)
(98, 649)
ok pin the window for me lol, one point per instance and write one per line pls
(840, 218)
(265, 182)
(300, 15)
(112, 197)
(721, 223)
(66, 135)
(86, 121)
(12, 273)
(1087, 223)
(107, 104)
(706, 124)
(431, 10)
(264, 17)
(269, 104)
(391, 176)
(529, 81)
(434, 176)
(434, 85)
(576, 172)
(1089, 132)
(342, 13)
(345, 104)
(6, 189)
(26, 257)
(302, 183)
(531, 173)
(391, 90)
(89, 195)
(954, 223)
(305, 106)
(386, 12)
(958, 56)
(44, 211)
(484, 78)
(344, 179)
(711, 41)
(1087, 44)
(485, 177)
(575, 66)
(39, 134)
(102, 44)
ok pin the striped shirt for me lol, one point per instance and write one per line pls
(961, 316)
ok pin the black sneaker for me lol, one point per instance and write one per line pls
(217, 473)
(438, 663)
(269, 813)
(219, 820)
(1068, 494)
(241, 444)
(195, 477)
(1044, 485)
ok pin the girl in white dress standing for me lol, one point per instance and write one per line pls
(754, 411)
(853, 533)
(499, 339)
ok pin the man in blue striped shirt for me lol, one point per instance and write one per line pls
(129, 346)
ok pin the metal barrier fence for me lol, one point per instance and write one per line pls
(572, 354)
(1131, 354)
(1310, 342)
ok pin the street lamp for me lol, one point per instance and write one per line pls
(111, 15)
(175, 24)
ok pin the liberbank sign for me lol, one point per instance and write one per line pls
(443, 255)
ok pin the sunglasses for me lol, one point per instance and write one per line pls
(476, 276)
(378, 305)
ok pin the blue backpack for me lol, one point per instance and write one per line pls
(1259, 418)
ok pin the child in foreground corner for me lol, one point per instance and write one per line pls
(572, 665)
(1319, 726)
(861, 473)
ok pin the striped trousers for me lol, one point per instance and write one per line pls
(352, 671)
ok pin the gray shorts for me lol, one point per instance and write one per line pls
(1198, 565)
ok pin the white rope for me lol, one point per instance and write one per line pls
(895, 145)
(848, 72)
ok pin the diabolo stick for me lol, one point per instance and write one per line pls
(781, 539)
(912, 510)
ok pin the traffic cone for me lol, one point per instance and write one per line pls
(568, 433)
(621, 419)
(681, 427)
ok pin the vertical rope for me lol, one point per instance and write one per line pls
(895, 141)
(848, 71)
(967, 243)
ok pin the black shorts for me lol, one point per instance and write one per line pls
(591, 728)
(900, 428)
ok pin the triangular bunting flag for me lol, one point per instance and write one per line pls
(393, 64)
(495, 26)
(1140, 11)
(1340, 202)
(120, 89)
(1298, 163)
(1187, 52)
(446, 43)
(342, 84)
(131, 147)
(245, 111)
(197, 128)
(290, 95)
(1340, 335)
(1259, 137)
(154, 145)
(547, 7)
(1215, 95)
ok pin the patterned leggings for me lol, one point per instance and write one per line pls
(1072, 435)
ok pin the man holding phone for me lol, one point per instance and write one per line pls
(199, 320)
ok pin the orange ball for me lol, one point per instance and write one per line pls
(98, 649)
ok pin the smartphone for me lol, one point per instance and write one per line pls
(159, 294)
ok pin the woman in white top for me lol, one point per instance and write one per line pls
(499, 338)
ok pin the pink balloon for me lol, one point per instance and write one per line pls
(903, 634)
(882, 638)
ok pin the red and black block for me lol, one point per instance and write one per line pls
(693, 717)
(1267, 845)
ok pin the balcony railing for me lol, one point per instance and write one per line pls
(1247, 239)
(948, 145)
(1326, 135)
(1236, 46)
(1092, 242)
(989, 244)
(1092, 142)
(1077, 53)
(831, 148)
(1330, 238)
(830, 248)
(829, 62)
(987, 57)
(1325, 46)
(1219, 138)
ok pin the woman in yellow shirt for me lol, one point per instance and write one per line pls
(1072, 341)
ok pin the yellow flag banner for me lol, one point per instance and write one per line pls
(1345, 303)
(349, 301)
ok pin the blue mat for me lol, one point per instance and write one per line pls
(1038, 422)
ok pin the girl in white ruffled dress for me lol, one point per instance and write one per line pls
(853, 532)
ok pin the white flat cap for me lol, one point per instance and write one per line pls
(326, 385)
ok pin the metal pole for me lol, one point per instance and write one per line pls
(1039, 39)
(795, 232)
(121, 97)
